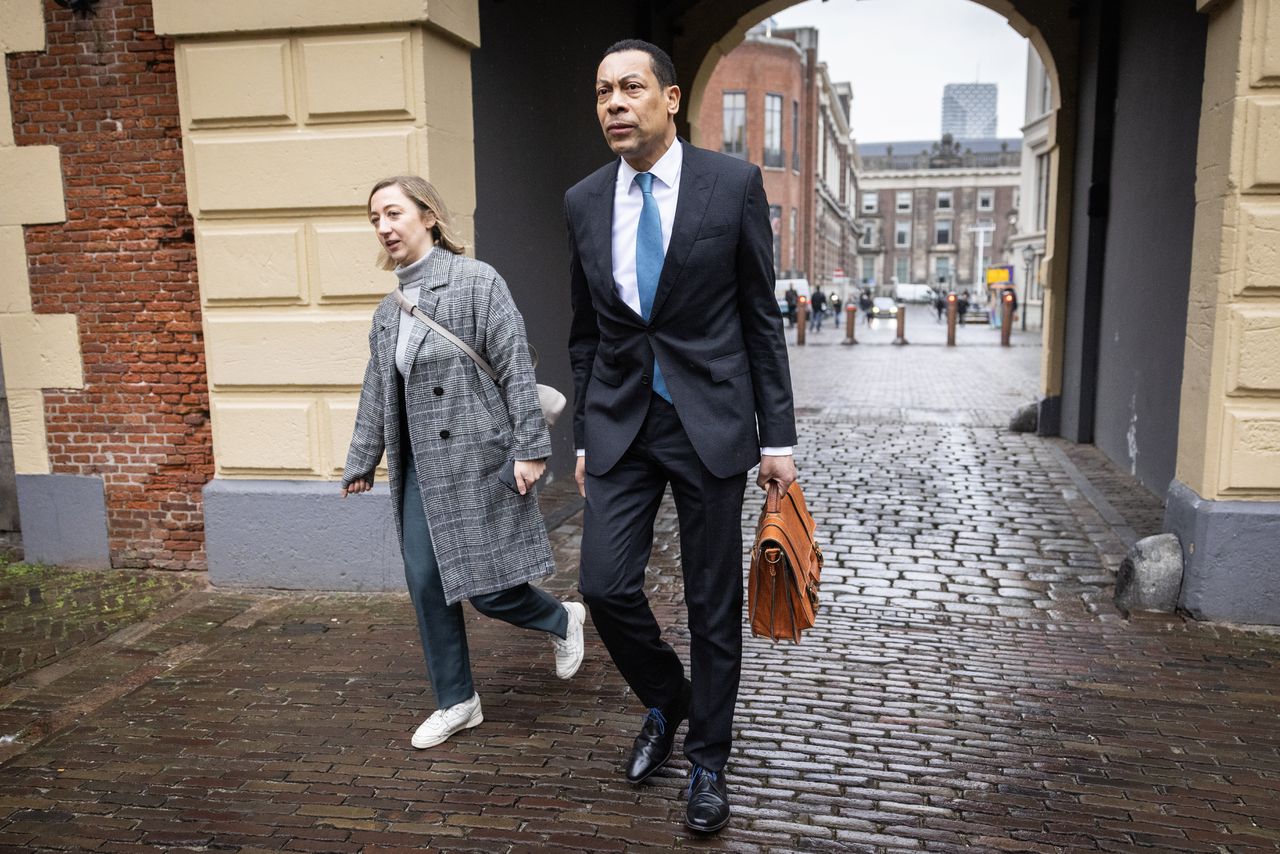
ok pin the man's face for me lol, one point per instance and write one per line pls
(636, 113)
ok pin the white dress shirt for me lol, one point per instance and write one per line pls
(628, 201)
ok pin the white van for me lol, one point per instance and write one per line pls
(908, 292)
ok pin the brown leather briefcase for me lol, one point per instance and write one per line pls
(786, 567)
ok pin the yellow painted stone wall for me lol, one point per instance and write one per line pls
(1229, 431)
(39, 351)
(290, 112)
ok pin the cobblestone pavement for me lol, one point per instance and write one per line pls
(968, 687)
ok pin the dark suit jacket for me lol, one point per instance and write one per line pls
(715, 327)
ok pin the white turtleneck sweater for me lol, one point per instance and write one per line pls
(411, 284)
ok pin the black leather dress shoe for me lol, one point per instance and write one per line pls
(657, 738)
(708, 809)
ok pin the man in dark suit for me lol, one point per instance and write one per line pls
(681, 378)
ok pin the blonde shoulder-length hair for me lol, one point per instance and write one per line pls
(428, 200)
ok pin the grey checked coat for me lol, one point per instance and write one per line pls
(462, 428)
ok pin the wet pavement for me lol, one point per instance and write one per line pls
(969, 685)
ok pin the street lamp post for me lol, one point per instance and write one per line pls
(980, 259)
(1028, 258)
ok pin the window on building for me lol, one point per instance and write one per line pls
(942, 270)
(901, 268)
(944, 200)
(870, 202)
(942, 231)
(775, 221)
(735, 124)
(868, 270)
(902, 234)
(795, 237)
(1042, 192)
(869, 234)
(773, 131)
(904, 200)
(986, 200)
(795, 135)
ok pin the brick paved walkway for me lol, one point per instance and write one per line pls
(968, 688)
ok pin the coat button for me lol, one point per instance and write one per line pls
(438, 391)
(644, 380)
(444, 434)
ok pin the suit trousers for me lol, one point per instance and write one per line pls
(441, 626)
(617, 540)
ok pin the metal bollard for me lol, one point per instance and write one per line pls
(1006, 319)
(952, 310)
(850, 318)
(902, 324)
(802, 319)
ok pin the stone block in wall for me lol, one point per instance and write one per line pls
(287, 348)
(261, 263)
(1250, 460)
(254, 173)
(1254, 348)
(1266, 43)
(343, 256)
(23, 28)
(32, 179)
(1262, 145)
(358, 76)
(41, 351)
(15, 287)
(240, 83)
(265, 433)
(26, 421)
(1259, 245)
(64, 520)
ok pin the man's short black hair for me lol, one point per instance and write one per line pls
(663, 68)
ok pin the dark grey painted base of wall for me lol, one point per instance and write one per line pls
(1231, 556)
(300, 535)
(64, 520)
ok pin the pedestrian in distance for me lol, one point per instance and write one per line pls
(962, 306)
(793, 299)
(819, 305)
(681, 378)
(939, 305)
(463, 453)
(835, 311)
(864, 305)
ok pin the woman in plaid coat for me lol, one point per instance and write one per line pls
(452, 437)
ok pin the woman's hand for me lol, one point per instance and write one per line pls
(527, 473)
(356, 487)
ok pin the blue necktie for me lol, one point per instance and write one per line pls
(649, 258)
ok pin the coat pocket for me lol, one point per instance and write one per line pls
(729, 366)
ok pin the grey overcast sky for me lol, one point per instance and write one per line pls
(898, 54)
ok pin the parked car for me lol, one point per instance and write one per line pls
(910, 292)
(884, 307)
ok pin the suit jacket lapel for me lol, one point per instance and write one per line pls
(695, 194)
(435, 277)
(599, 238)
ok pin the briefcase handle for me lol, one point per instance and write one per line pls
(773, 497)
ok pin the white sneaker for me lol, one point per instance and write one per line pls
(445, 722)
(569, 650)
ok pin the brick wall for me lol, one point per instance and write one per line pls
(757, 68)
(124, 263)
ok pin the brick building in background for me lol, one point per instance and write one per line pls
(771, 102)
(110, 301)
